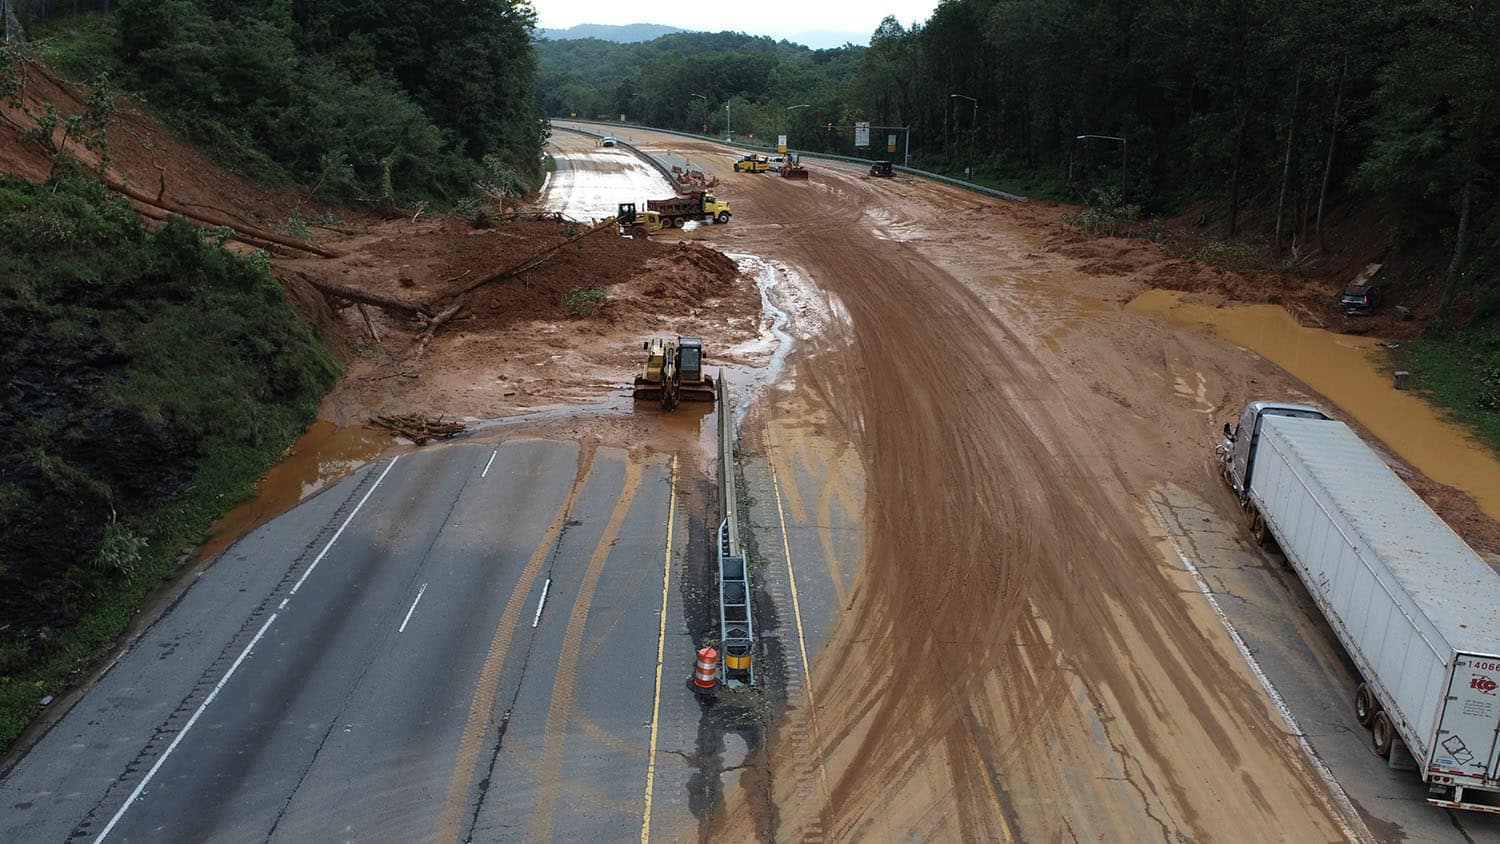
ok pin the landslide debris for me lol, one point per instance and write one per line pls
(566, 330)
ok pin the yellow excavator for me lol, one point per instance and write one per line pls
(674, 372)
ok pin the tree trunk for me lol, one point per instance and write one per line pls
(1333, 138)
(1286, 164)
(1460, 246)
(1234, 175)
(1465, 201)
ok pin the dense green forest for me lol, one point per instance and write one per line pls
(1273, 110)
(686, 80)
(368, 100)
(152, 377)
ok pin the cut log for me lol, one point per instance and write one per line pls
(419, 429)
(153, 212)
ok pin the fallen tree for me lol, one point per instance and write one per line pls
(355, 294)
(215, 220)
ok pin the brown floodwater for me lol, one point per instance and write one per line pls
(1354, 375)
(321, 456)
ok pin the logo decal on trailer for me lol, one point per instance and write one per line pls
(1484, 683)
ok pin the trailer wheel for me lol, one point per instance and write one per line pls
(1382, 735)
(676, 222)
(1365, 705)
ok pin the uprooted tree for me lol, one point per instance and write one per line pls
(88, 128)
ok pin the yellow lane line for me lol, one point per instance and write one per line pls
(807, 680)
(661, 645)
(565, 683)
(488, 684)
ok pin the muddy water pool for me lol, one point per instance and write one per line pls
(1355, 374)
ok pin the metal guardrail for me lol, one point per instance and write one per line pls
(727, 495)
(925, 174)
(639, 153)
(736, 616)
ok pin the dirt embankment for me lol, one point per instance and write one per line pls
(567, 330)
(1184, 254)
(143, 154)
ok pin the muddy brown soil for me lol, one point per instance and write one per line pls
(517, 345)
(567, 332)
(1311, 300)
(1021, 657)
(142, 154)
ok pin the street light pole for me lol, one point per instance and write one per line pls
(974, 128)
(728, 128)
(705, 111)
(1124, 147)
(788, 120)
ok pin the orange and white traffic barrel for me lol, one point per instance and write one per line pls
(706, 671)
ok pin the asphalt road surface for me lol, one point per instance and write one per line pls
(365, 667)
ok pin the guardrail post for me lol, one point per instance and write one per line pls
(736, 613)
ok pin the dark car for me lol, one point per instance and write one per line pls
(881, 168)
(1359, 299)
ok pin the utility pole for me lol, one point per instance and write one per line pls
(705, 111)
(973, 127)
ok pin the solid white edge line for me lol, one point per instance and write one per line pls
(141, 786)
(541, 602)
(487, 464)
(340, 531)
(1359, 833)
(413, 609)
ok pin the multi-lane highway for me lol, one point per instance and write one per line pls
(371, 666)
(485, 640)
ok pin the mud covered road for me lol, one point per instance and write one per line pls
(1021, 655)
(967, 488)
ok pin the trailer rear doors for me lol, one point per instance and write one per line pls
(1466, 738)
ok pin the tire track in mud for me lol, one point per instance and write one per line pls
(988, 494)
(487, 687)
(564, 685)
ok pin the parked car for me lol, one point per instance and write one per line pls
(1359, 299)
(607, 141)
(881, 169)
(777, 162)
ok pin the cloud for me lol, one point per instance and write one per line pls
(829, 22)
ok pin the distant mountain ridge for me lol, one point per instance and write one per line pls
(630, 33)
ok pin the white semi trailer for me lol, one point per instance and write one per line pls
(1417, 610)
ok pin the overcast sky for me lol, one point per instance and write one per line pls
(802, 21)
